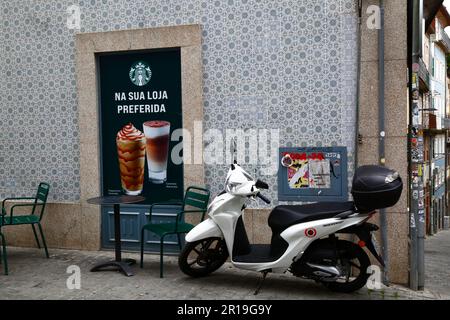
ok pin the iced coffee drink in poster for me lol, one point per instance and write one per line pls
(157, 136)
(131, 151)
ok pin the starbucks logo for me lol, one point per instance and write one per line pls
(140, 74)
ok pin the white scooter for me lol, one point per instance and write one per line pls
(304, 237)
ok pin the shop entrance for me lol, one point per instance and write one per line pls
(140, 108)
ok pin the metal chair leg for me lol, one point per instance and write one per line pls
(36, 237)
(161, 266)
(179, 241)
(142, 248)
(5, 258)
(43, 240)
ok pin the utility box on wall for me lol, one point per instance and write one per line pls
(313, 174)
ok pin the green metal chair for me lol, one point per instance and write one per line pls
(3, 256)
(195, 201)
(32, 219)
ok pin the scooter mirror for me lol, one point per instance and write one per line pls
(233, 149)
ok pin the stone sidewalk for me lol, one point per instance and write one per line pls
(32, 276)
(437, 263)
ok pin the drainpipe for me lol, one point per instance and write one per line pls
(358, 86)
(381, 143)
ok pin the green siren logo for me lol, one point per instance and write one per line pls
(140, 74)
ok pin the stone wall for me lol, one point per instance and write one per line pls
(396, 115)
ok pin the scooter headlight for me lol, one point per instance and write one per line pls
(230, 187)
(236, 179)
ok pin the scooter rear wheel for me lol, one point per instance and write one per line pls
(203, 257)
(355, 260)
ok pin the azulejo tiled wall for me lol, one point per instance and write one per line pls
(288, 65)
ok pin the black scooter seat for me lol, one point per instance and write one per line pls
(284, 216)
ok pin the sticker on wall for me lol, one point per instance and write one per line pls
(412, 222)
(417, 148)
(308, 170)
(415, 109)
(421, 216)
(414, 80)
(420, 204)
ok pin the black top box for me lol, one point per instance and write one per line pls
(376, 187)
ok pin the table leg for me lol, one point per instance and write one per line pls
(123, 266)
(118, 263)
(117, 235)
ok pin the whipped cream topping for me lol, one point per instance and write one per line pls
(156, 123)
(156, 128)
(129, 132)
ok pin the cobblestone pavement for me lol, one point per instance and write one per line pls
(32, 276)
(437, 263)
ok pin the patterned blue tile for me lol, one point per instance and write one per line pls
(284, 64)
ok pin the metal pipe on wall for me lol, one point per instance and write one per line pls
(415, 156)
(358, 85)
(358, 90)
(381, 143)
(412, 14)
(420, 212)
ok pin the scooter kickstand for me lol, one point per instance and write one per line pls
(260, 282)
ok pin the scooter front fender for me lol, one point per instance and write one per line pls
(205, 229)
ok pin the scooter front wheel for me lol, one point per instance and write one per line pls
(202, 257)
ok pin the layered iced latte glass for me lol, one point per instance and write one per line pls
(157, 136)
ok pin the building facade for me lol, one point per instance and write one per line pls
(434, 84)
(287, 65)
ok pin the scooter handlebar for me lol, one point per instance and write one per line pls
(261, 184)
(263, 198)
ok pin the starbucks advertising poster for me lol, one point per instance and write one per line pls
(140, 103)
